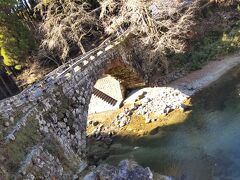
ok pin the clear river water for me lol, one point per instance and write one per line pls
(206, 146)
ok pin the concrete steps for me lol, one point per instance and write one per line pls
(104, 97)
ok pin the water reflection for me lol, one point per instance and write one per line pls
(206, 146)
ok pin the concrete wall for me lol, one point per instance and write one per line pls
(110, 86)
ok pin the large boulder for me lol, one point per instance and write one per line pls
(126, 170)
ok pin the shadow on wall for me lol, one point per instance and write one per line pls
(110, 89)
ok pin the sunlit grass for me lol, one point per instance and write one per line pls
(7, 60)
(137, 126)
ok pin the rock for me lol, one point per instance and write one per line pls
(62, 125)
(154, 131)
(131, 170)
(130, 112)
(108, 140)
(122, 124)
(126, 110)
(45, 129)
(119, 116)
(95, 132)
(184, 108)
(154, 120)
(11, 119)
(148, 120)
(43, 122)
(145, 100)
(6, 124)
(65, 120)
(91, 176)
(30, 177)
(135, 106)
(99, 138)
(110, 133)
(92, 168)
(123, 121)
(12, 137)
(190, 87)
(126, 170)
(167, 110)
(83, 165)
(144, 111)
(90, 122)
(75, 177)
(95, 123)
(162, 177)
(142, 95)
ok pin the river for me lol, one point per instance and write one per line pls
(205, 146)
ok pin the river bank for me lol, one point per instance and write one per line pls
(200, 143)
(148, 108)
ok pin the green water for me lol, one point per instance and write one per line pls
(205, 146)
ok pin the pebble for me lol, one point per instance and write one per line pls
(11, 120)
(161, 101)
(184, 108)
(45, 129)
(75, 177)
(6, 124)
(95, 123)
(12, 137)
(148, 120)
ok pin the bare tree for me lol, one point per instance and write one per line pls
(66, 23)
(164, 26)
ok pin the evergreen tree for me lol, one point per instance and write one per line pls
(15, 38)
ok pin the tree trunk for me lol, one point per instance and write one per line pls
(3, 92)
(6, 86)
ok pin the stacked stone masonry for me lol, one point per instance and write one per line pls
(60, 102)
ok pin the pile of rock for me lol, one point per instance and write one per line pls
(123, 118)
(101, 132)
(161, 101)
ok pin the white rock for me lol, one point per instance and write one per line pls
(147, 120)
(12, 137)
(45, 129)
(6, 124)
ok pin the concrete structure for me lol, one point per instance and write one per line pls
(60, 102)
(113, 93)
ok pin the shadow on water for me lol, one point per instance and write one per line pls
(205, 146)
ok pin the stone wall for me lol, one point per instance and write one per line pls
(59, 103)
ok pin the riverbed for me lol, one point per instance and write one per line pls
(204, 145)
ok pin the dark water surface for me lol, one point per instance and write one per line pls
(205, 146)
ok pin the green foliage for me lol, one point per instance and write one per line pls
(6, 59)
(210, 47)
(15, 38)
(16, 151)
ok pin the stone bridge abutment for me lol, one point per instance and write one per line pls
(60, 102)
